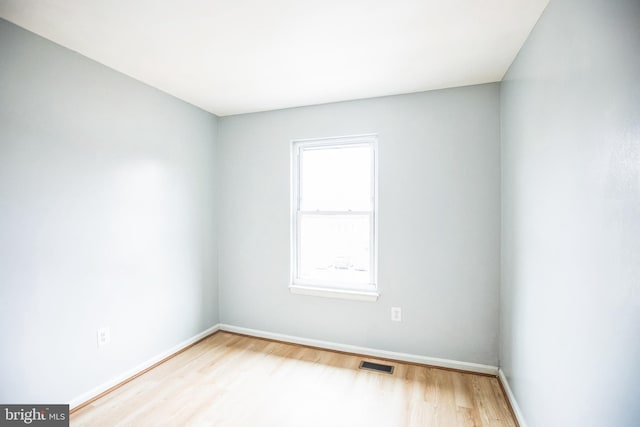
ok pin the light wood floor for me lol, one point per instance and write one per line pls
(233, 380)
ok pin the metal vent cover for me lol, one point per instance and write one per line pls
(378, 367)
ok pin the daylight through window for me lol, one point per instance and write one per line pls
(334, 213)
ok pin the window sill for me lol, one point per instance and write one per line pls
(334, 293)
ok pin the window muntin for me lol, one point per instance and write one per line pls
(334, 218)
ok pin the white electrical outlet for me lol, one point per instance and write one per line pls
(396, 314)
(104, 336)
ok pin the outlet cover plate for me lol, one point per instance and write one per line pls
(104, 336)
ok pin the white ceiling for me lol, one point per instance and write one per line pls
(240, 56)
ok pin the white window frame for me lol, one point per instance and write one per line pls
(362, 292)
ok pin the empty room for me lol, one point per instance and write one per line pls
(320, 213)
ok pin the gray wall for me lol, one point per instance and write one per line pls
(570, 323)
(106, 218)
(439, 220)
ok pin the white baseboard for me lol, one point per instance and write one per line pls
(512, 399)
(85, 397)
(404, 357)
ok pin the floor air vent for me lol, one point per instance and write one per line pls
(378, 367)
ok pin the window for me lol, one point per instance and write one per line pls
(334, 217)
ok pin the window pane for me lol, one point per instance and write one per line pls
(336, 178)
(335, 248)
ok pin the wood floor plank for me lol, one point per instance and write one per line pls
(234, 380)
(462, 390)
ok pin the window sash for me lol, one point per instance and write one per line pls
(333, 143)
(298, 280)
